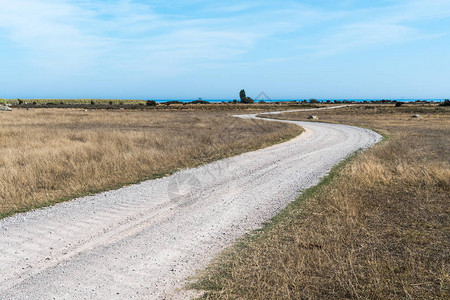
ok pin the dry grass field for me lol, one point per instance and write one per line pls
(48, 155)
(378, 227)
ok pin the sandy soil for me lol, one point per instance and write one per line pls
(144, 240)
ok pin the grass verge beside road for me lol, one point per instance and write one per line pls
(377, 228)
(49, 155)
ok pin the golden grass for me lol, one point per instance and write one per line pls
(52, 154)
(377, 229)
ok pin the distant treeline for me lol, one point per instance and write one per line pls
(99, 103)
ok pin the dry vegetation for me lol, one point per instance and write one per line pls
(114, 104)
(73, 101)
(48, 155)
(377, 228)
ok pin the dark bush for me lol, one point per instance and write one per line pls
(172, 102)
(199, 102)
(445, 103)
(313, 101)
(92, 102)
(398, 104)
(20, 101)
(110, 102)
(150, 103)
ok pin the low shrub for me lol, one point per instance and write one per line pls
(199, 102)
(445, 103)
(172, 102)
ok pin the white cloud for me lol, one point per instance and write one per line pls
(76, 34)
(382, 27)
(48, 32)
(127, 35)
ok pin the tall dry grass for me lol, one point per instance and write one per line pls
(47, 155)
(378, 229)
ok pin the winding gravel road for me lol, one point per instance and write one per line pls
(144, 240)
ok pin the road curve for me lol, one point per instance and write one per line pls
(143, 241)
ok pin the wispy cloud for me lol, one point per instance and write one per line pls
(381, 27)
(77, 34)
(169, 38)
(48, 32)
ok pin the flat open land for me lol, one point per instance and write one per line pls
(144, 240)
(50, 155)
(377, 228)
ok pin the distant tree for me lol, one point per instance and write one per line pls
(313, 101)
(242, 95)
(244, 98)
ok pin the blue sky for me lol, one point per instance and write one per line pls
(211, 49)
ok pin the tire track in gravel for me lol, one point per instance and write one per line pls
(144, 240)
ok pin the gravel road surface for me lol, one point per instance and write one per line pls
(143, 241)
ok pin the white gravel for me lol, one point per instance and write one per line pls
(144, 240)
